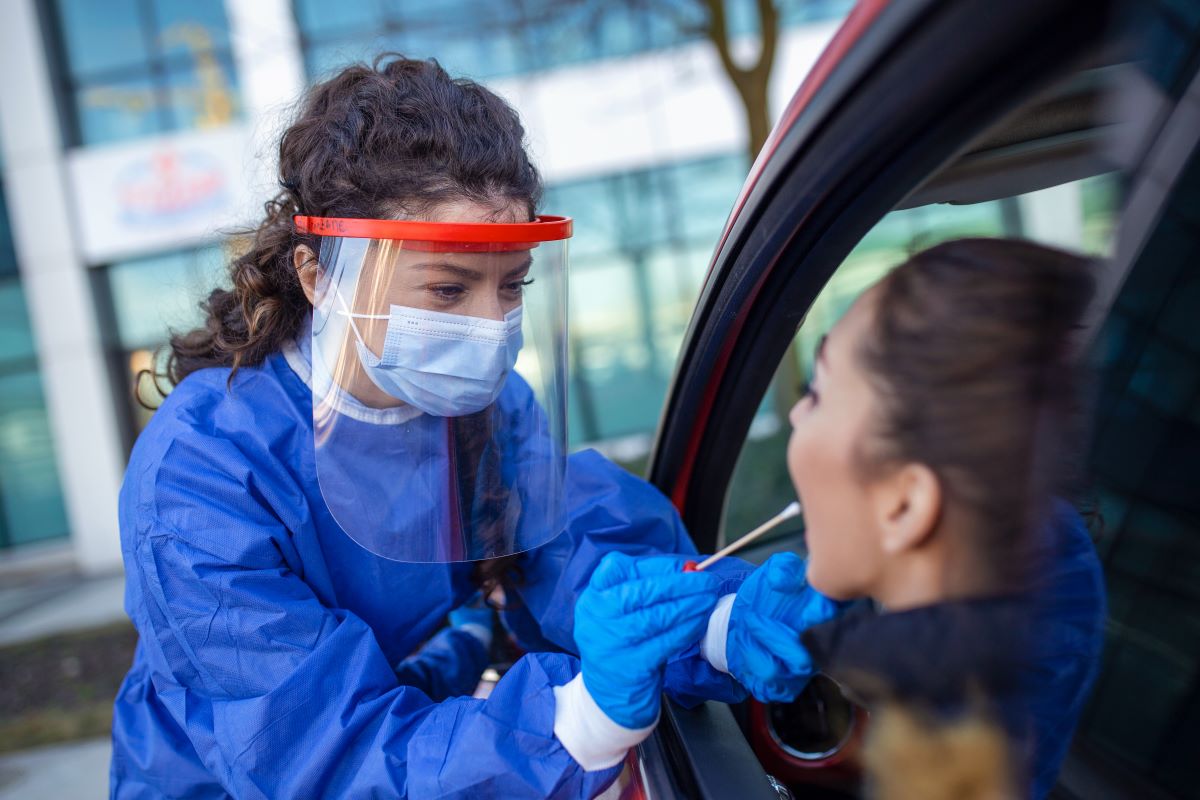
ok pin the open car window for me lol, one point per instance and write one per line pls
(1079, 216)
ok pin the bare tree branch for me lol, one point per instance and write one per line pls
(718, 34)
(710, 20)
(768, 26)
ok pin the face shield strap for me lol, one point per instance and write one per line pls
(350, 317)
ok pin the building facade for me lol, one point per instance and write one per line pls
(135, 135)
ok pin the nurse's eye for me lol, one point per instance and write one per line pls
(448, 291)
(518, 287)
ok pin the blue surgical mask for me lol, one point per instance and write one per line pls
(447, 365)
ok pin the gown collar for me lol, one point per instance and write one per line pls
(298, 354)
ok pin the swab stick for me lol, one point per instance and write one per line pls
(792, 510)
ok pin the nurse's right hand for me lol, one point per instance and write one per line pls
(635, 614)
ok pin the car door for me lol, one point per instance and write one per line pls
(1006, 112)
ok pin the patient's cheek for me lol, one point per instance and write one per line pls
(840, 567)
(820, 579)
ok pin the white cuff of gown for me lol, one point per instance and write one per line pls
(713, 646)
(592, 739)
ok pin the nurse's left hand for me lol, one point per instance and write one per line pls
(771, 609)
(475, 618)
(635, 614)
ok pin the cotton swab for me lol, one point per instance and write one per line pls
(792, 510)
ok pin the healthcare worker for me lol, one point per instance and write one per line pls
(367, 432)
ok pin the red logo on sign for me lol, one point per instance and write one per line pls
(170, 186)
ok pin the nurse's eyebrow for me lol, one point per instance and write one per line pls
(466, 273)
(520, 269)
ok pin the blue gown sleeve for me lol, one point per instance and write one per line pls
(448, 665)
(1068, 635)
(610, 509)
(283, 697)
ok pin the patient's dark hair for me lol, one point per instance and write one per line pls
(974, 353)
(394, 138)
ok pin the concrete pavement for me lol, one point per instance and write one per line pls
(76, 771)
(45, 601)
(59, 604)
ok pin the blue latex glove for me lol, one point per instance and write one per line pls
(634, 615)
(472, 612)
(471, 615)
(771, 609)
(474, 617)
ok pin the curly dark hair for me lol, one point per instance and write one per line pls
(396, 138)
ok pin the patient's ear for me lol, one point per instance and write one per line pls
(908, 506)
(307, 268)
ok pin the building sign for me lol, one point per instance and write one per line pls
(171, 186)
(164, 193)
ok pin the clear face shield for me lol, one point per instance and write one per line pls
(439, 384)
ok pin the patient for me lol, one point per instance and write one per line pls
(928, 453)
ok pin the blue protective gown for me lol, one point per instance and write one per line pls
(271, 655)
(1070, 607)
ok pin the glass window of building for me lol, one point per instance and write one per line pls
(642, 244)
(484, 40)
(134, 68)
(478, 39)
(8, 254)
(142, 302)
(31, 500)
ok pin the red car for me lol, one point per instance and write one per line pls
(1012, 112)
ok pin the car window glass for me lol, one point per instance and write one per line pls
(1144, 469)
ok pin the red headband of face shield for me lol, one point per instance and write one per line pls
(443, 237)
